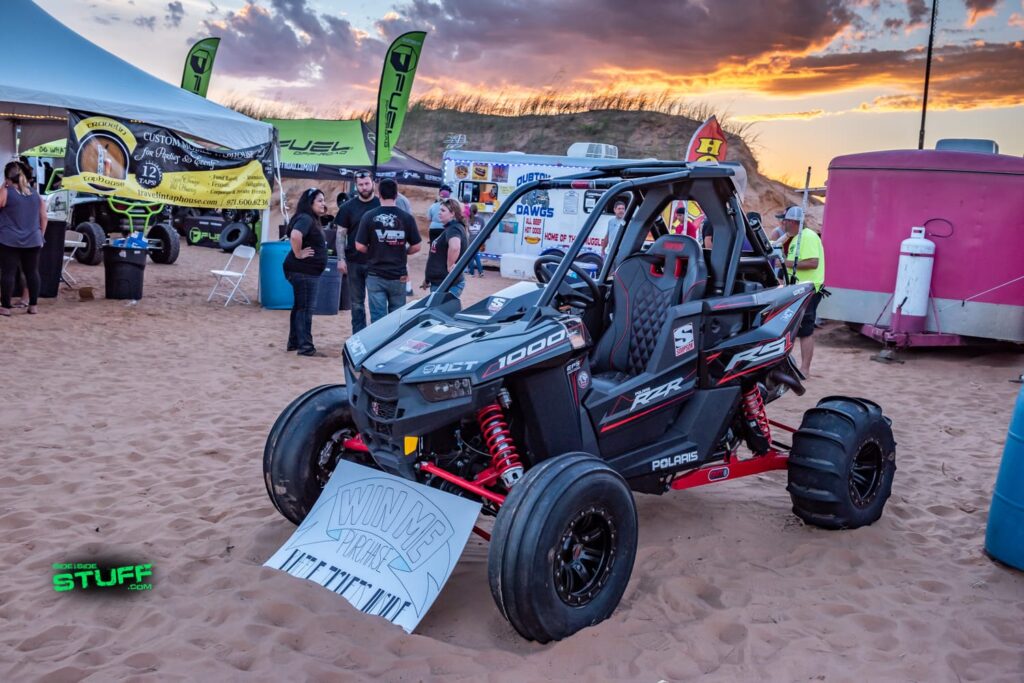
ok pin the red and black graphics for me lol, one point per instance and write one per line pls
(652, 396)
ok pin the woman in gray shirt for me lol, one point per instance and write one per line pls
(22, 222)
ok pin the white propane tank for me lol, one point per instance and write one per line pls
(913, 283)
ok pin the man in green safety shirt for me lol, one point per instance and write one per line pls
(809, 267)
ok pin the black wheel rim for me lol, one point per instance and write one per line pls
(584, 556)
(866, 474)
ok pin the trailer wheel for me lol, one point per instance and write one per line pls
(94, 237)
(563, 546)
(305, 445)
(170, 243)
(842, 464)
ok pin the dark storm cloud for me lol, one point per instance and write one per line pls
(962, 76)
(289, 41)
(524, 36)
(976, 9)
(175, 12)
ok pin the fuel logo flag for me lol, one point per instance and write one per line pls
(395, 86)
(199, 66)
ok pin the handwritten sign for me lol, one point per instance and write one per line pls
(385, 544)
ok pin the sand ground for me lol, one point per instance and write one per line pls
(139, 430)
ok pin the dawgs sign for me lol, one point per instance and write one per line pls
(111, 156)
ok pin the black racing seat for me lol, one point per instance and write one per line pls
(645, 286)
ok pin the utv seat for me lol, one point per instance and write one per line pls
(645, 286)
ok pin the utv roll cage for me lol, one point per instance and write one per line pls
(652, 185)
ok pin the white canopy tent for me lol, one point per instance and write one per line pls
(36, 93)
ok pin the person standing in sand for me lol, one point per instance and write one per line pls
(303, 267)
(809, 267)
(446, 248)
(351, 262)
(388, 236)
(22, 224)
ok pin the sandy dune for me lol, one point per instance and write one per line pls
(138, 431)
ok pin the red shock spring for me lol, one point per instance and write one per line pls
(753, 409)
(495, 431)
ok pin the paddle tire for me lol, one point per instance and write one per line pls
(170, 243)
(562, 547)
(234, 235)
(94, 237)
(305, 445)
(842, 464)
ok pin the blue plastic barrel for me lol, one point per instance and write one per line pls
(328, 290)
(275, 291)
(1005, 537)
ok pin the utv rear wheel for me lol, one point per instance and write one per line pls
(842, 464)
(94, 237)
(305, 445)
(563, 546)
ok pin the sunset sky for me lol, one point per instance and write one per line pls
(819, 77)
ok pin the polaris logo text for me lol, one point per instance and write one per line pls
(674, 461)
(542, 211)
(759, 353)
(648, 394)
(531, 350)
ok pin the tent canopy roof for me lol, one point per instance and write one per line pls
(80, 75)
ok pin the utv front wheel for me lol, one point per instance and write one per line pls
(305, 445)
(842, 464)
(563, 546)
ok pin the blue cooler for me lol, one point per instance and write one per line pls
(275, 291)
(1004, 540)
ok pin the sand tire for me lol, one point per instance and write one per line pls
(842, 464)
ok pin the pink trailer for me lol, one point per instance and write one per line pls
(972, 206)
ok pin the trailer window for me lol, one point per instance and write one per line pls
(590, 198)
(471, 192)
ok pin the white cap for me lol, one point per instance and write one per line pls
(794, 213)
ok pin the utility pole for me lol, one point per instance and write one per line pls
(927, 74)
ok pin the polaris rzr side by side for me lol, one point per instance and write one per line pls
(551, 402)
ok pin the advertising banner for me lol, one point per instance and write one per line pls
(199, 66)
(385, 544)
(111, 156)
(707, 144)
(395, 86)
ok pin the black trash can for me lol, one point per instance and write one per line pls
(51, 259)
(123, 268)
(328, 293)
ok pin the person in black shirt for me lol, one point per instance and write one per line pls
(387, 236)
(446, 247)
(352, 262)
(303, 266)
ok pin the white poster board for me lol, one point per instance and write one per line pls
(385, 544)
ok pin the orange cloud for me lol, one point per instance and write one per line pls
(787, 116)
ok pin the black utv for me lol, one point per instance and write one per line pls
(552, 402)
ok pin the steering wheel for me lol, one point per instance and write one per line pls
(568, 294)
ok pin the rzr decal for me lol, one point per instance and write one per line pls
(648, 394)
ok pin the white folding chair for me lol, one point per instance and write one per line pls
(73, 241)
(233, 278)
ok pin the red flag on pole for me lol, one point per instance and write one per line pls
(707, 144)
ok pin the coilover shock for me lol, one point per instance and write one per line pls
(496, 434)
(757, 420)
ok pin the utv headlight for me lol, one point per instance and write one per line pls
(444, 389)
